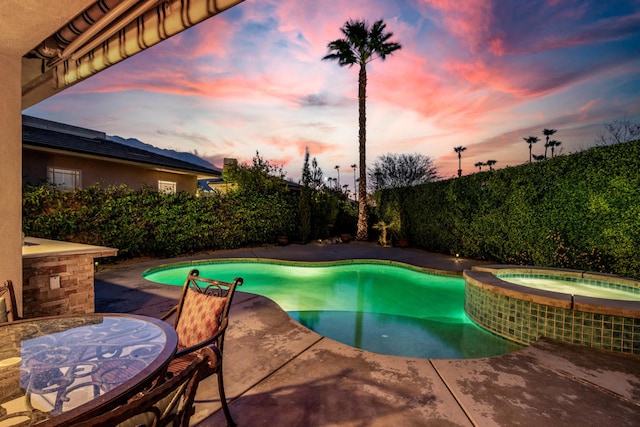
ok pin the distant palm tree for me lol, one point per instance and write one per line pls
(337, 168)
(538, 158)
(459, 150)
(547, 133)
(479, 165)
(531, 140)
(553, 143)
(362, 44)
(490, 163)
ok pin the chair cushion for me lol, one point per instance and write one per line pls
(198, 318)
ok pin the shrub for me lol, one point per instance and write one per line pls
(145, 222)
(579, 211)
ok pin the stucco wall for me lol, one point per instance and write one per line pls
(10, 173)
(101, 172)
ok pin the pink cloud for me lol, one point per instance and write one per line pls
(316, 148)
(214, 38)
(469, 20)
(467, 94)
(497, 45)
(589, 105)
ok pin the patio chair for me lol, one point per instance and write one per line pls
(8, 305)
(167, 403)
(201, 318)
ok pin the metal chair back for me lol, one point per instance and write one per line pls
(8, 304)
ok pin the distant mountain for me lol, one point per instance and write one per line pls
(180, 155)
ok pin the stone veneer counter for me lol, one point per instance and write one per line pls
(57, 277)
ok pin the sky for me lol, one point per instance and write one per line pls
(482, 74)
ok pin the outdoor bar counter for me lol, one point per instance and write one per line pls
(57, 277)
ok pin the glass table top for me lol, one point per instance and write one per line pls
(53, 366)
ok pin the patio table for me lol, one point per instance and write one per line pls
(57, 370)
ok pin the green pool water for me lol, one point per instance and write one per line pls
(378, 307)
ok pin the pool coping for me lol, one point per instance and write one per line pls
(401, 264)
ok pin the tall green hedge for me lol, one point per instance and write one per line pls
(149, 223)
(577, 211)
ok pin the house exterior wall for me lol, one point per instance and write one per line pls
(10, 174)
(101, 172)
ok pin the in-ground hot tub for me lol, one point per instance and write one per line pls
(592, 309)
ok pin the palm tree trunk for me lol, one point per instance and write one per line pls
(362, 233)
(547, 146)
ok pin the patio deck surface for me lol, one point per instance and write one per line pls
(279, 373)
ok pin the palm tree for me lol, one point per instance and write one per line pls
(362, 44)
(531, 140)
(490, 163)
(479, 165)
(337, 168)
(553, 143)
(547, 133)
(459, 150)
(538, 158)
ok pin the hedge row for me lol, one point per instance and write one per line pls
(149, 223)
(577, 211)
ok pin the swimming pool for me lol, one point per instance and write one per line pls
(378, 306)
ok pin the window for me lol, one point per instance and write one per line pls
(64, 179)
(168, 187)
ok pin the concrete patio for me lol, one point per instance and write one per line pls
(279, 373)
